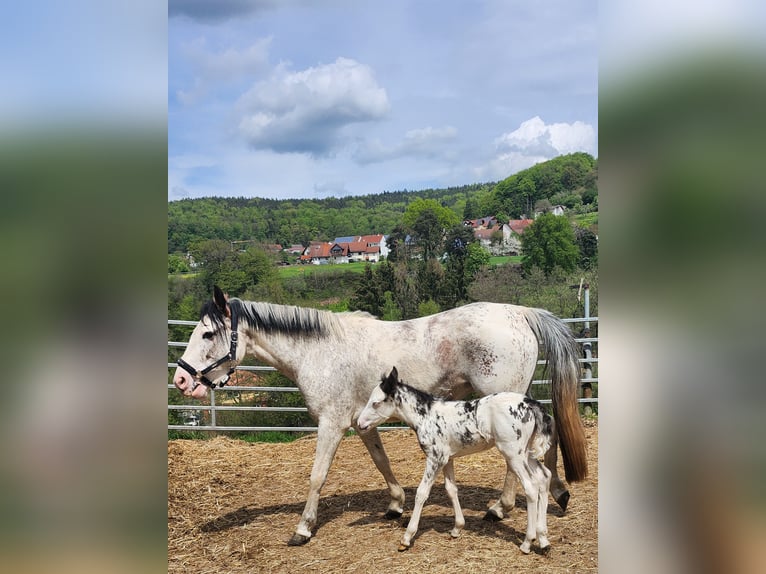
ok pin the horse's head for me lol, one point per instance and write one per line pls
(381, 405)
(212, 353)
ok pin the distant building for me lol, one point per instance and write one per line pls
(370, 248)
(507, 236)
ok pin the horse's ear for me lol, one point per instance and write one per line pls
(220, 300)
(388, 385)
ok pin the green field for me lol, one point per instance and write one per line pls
(286, 271)
(502, 260)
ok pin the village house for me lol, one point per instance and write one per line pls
(499, 239)
(370, 248)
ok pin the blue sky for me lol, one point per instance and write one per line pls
(304, 99)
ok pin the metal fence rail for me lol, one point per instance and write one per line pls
(213, 408)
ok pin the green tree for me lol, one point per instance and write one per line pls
(391, 310)
(471, 210)
(588, 247)
(177, 264)
(549, 243)
(428, 221)
(367, 295)
(429, 307)
(476, 258)
(428, 233)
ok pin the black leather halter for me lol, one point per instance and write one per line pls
(200, 376)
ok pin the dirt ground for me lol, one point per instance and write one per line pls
(233, 505)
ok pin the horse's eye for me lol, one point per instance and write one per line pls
(376, 404)
(207, 335)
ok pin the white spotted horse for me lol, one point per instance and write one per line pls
(514, 423)
(336, 359)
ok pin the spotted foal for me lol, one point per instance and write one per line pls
(512, 422)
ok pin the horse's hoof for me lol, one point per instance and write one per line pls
(298, 540)
(545, 550)
(403, 547)
(492, 517)
(563, 500)
(392, 515)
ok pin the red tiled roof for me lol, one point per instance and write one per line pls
(519, 225)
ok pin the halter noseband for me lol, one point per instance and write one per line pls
(231, 357)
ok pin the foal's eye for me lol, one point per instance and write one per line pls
(376, 404)
(207, 335)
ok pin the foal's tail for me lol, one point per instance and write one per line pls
(544, 428)
(560, 352)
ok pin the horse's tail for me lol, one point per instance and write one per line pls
(544, 428)
(560, 351)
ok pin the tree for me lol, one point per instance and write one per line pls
(471, 210)
(177, 264)
(367, 296)
(549, 243)
(588, 246)
(428, 220)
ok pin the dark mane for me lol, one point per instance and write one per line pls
(211, 310)
(421, 397)
(282, 319)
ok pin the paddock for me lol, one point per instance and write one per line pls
(232, 506)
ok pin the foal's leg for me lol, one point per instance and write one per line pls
(451, 487)
(507, 499)
(371, 440)
(328, 439)
(433, 467)
(558, 488)
(522, 470)
(543, 477)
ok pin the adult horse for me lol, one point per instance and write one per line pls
(336, 359)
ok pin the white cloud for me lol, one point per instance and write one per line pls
(304, 111)
(535, 137)
(533, 142)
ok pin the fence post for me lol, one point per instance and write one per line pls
(212, 408)
(587, 388)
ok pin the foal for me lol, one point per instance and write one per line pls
(512, 422)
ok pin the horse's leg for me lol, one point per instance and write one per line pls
(558, 488)
(424, 489)
(543, 477)
(328, 439)
(522, 470)
(451, 487)
(507, 498)
(371, 440)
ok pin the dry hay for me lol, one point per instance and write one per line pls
(233, 505)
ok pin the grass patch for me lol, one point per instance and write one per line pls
(288, 271)
(586, 219)
(504, 259)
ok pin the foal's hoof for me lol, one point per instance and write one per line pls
(492, 517)
(392, 515)
(545, 550)
(563, 500)
(298, 540)
(403, 547)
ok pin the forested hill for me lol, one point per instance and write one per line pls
(569, 180)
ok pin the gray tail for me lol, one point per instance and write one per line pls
(560, 351)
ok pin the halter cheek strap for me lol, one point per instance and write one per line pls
(200, 376)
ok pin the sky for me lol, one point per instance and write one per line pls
(311, 99)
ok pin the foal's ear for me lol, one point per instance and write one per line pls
(220, 300)
(389, 383)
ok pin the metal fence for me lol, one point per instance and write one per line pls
(192, 411)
